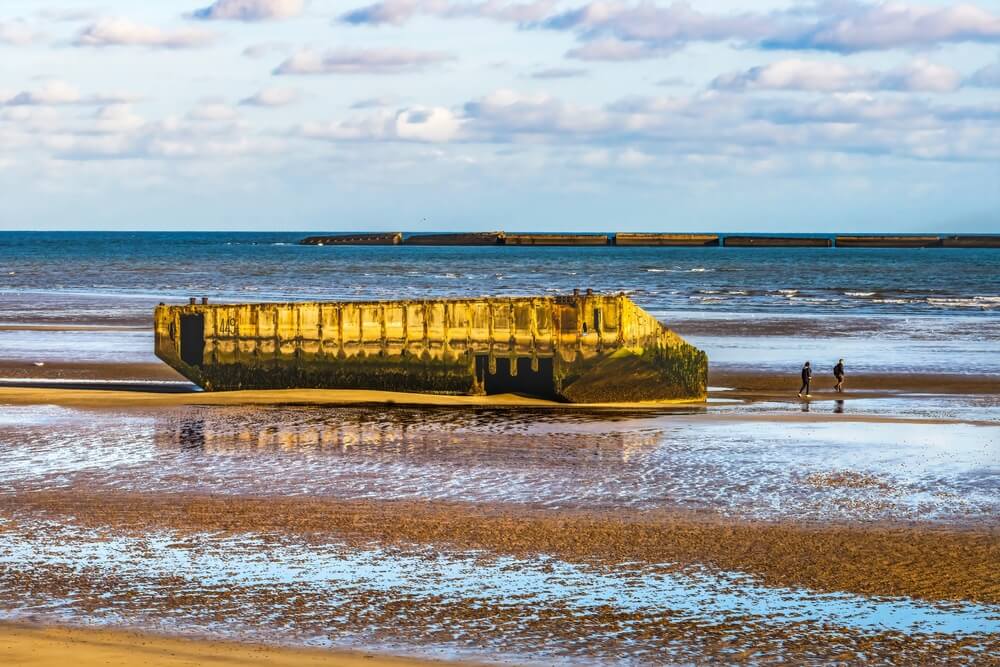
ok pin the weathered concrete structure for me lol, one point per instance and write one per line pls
(581, 348)
(971, 241)
(777, 242)
(651, 239)
(658, 239)
(568, 239)
(460, 239)
(876, 241)
(378, 238)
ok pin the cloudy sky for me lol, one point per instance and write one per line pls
(839, 115)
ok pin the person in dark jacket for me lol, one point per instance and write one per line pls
(807, 374)
(838, 372)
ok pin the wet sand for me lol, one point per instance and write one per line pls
(921, 561)
(535, 536)
(30, 646)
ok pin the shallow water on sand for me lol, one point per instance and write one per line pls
(826, 470)
(315, 594)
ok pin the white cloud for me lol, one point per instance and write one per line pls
(16, 33)
(360, 61)
(811, 75)
(250, 10)
(117, 118)
(427, 124)
(374, 102)
(265, 49)
(418, 123)
(848, 27)
(612, 49)
(213, 112)
(67, 15)
(375, 127)
(271, 97)
(841, 26)
(57, 93)
(558, 73)
(921, 75)
(605, 26)
(52, 93)
(397, 12)
(634, 158)
(507, 113)
(124, 32)
(986, 77)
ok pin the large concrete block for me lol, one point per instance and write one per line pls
(583, 348)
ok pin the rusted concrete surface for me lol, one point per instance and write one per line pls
(777, 242)
(652, 239)
(461, 239)
(558, 239)
(906, 241)
(582, 349)
(657, 239)
(380, 238)
(971, 241)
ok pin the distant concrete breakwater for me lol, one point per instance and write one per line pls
(655, 239)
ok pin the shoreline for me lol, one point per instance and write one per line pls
(116, 392)
(110, 398)
(45, 645)
(731, 377)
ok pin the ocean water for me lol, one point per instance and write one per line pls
(899, 310)
(258, 266)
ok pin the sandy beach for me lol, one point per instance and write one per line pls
(88, 647)
(326, 526)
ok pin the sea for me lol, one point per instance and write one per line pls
(886, 310)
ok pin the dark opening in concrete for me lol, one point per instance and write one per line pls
(192, 339)
(540, 383)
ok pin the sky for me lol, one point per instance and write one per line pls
(534, 115)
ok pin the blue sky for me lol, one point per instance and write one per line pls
(531, 115)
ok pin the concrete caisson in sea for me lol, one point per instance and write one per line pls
(584, 348)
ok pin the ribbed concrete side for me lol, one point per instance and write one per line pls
(429, 346)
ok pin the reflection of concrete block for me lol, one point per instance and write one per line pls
(579, 348)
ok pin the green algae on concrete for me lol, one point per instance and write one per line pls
(581, 348)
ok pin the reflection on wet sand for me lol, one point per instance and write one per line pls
(641, 461)
(397, 432)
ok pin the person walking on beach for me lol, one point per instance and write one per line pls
(807, 374)
(838, 372)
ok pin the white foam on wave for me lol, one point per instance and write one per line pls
(859, 293)
(965, 302)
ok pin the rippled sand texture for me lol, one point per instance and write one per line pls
(526, 536)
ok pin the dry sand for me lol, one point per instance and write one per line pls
(27, 646)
